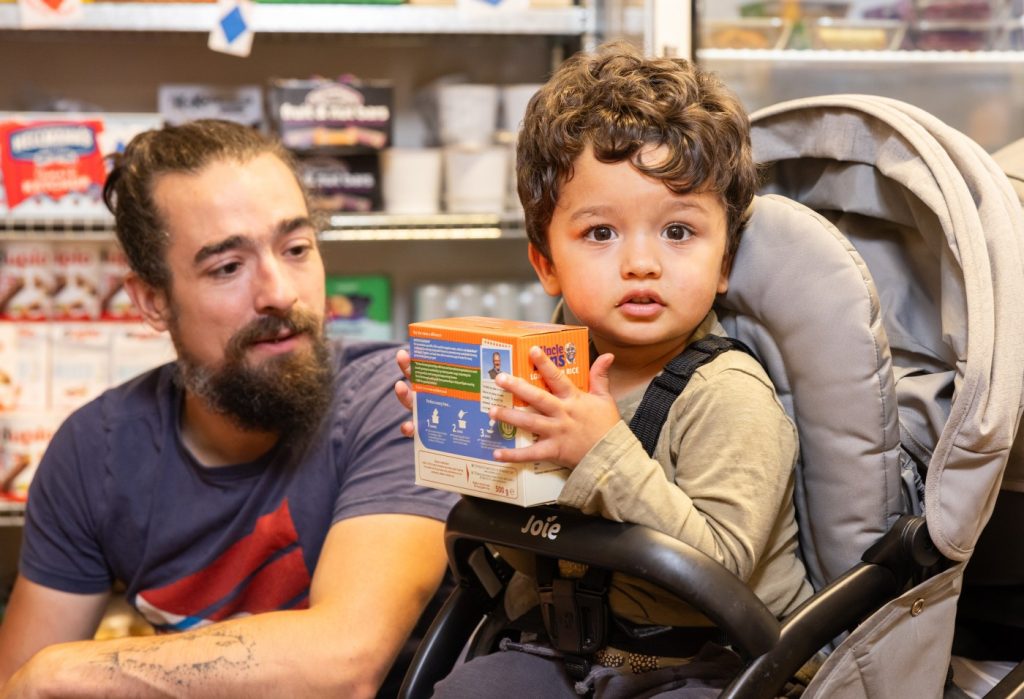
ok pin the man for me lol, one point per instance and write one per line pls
(256, 495)
(495, 366)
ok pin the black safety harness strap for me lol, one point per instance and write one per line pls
(575, 610)
(665, 388)
(575, 613)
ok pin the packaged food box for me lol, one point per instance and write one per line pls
(957, 9)
(135, 348)
(454, 363)
(23, 439)
(342, 183)
(26, 280)
(1013, 37)
(328, 115)
(805, 9)
(332, 2)
(25, 352)
(77, 281)
(242, 104)
(115, 303)
(863, 35)
(955, 35)
(79, 364)
(52, 163)
(359, 306)
(748, 33)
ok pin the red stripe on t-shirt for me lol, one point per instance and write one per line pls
(279, 583)
(200, 590)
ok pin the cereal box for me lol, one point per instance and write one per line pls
(454, 364)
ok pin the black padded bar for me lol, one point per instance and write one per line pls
(678, 568)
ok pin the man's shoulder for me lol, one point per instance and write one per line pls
(364, 373)
(363, 355)
(148, 393)
(128, 420)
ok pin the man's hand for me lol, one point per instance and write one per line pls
(402, 390)
(38, 617)
(568, 422)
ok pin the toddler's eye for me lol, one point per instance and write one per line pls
(677, 232)
(600, 233)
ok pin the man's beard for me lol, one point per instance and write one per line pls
(287, 394)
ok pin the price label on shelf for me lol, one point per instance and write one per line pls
(232, 32)
(35, 14)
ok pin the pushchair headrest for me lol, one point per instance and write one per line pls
(801, 297)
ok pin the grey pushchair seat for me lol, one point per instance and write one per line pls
(801, 297)
(941, 232)
(892, 340)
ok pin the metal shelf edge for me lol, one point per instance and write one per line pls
(343, 227)
(860, 57)
(322, 18)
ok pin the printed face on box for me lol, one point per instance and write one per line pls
(242, 248)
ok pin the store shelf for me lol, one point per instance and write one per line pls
(789, 56)
(321, 18)
(434, 227)
(342, 227)
(12, 514)
(56, 230)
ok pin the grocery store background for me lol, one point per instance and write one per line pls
(422, 217)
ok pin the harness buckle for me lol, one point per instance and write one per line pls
(575, 615)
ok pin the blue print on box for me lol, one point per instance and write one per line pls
(458, 427)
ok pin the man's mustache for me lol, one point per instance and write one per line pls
(271, 327)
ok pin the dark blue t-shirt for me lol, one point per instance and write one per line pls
(118, 497)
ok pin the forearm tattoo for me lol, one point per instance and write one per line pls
(182, 661)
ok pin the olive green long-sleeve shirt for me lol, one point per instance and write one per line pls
(721, 480)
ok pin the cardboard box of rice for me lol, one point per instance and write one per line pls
(454, 364)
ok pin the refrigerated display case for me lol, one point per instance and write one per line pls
(962, 60)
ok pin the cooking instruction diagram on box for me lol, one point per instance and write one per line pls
(455, 419)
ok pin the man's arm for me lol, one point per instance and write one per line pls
(38, 616)
(375, 575)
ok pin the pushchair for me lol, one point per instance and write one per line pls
(882, 249)
(988, 643)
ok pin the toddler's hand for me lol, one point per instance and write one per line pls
(403, 392)
(568, 422)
